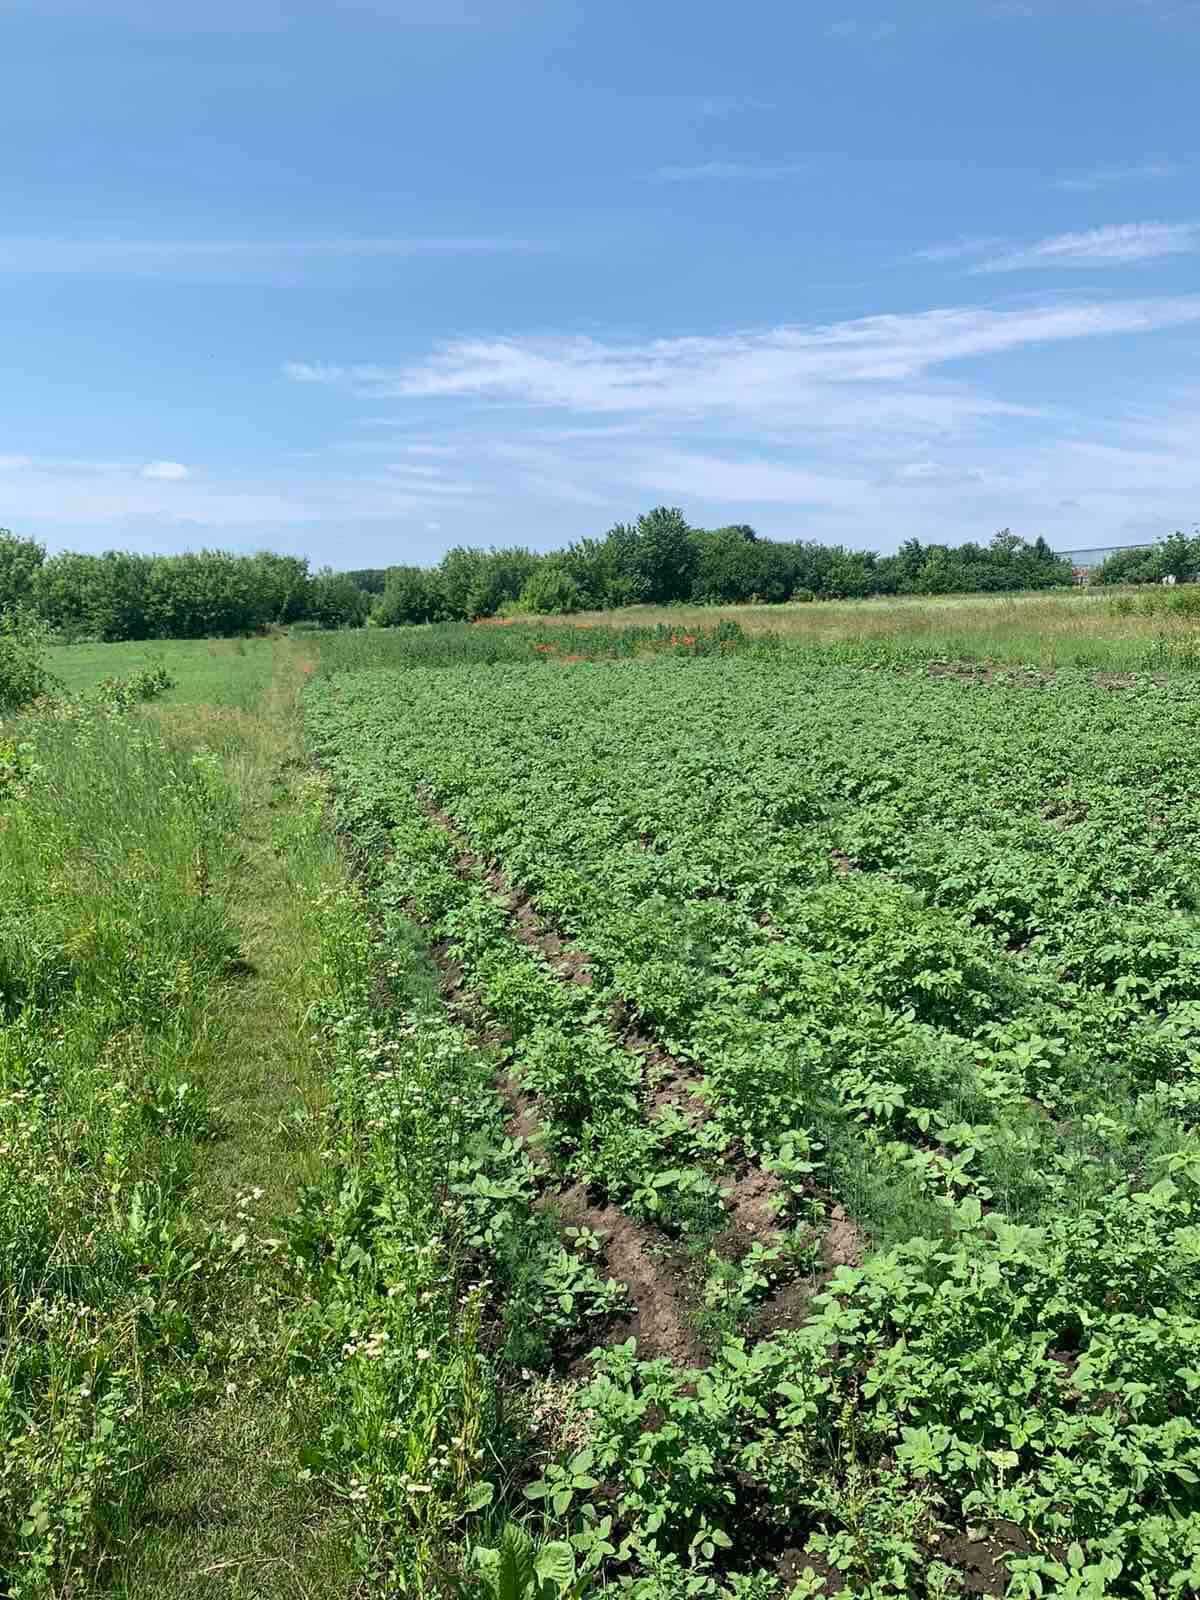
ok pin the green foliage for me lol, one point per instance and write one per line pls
(371, 580)
(956, 1000)
(205, 594)
(121, 693)
(334, 600)
(520, 1568)
(1176, 556)
(112, 937)
(20, 561)
(23, 671)
(551, 590)
(659, 559)
(410, 594)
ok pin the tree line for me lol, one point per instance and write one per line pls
(659, 559)
(1176, 557)
(204, 594)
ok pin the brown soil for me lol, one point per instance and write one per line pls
(755, 1204)
(793, 1563)
(788, 1307)
(523, 1121)
(660, 1318)
(959, 669)
(981, 1560)
(845, 1243)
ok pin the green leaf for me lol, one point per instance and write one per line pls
(481, 1494)
(555, 1563)
(514, 1576)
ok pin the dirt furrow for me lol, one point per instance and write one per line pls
(633, 1254)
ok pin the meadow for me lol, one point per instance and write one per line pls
(1112, 629)
(203, 671)
(536, 1110)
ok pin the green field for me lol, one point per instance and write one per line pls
(206, 671)
(686, 1110)
(881, 1075)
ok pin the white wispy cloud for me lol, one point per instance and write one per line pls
(863, 430)
(761, 171)
(258, 15)
(853, 28)
(1116, 245)
(872, 369)
(957, 249)
(237, 257)
(95, 496)
(1104, 176)
(728, 105)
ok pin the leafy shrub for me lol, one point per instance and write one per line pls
(23, 672)
(802, 595)
(18, 766)
(121, 693)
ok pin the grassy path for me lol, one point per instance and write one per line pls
(229, 1512)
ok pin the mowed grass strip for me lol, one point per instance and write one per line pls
(206, 672)
(231, 1511)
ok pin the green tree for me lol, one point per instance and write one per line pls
(284, 585)
(20, 562)
(336, 601)
(410, 595)
(461, 575)
(64, 591)
(550, 591)
(501, 576)
(664, 556)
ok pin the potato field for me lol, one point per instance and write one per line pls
(789, 1185)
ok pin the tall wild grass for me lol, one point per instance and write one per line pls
(113, 932)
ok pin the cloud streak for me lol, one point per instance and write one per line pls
(1105, 176)
(852, 28)
(751, 171)
(1116, 245)
(883, 369)
(865, 430)
(957, 249)
(225, 258)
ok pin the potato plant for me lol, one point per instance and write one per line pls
(928, 951)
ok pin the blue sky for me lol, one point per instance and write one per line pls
(367, 279)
